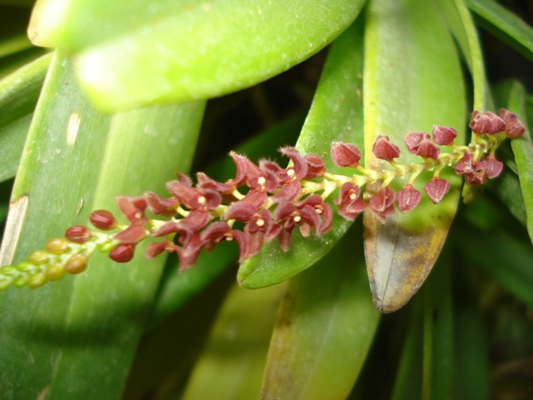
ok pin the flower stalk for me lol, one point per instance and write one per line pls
(264, 202)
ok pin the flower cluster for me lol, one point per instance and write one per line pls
(264, 201)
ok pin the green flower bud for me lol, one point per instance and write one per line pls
(57, 246)
(55, 272)
(37, 281)
(21, 281)
(38, 257)
(5, 282)
(8, 270)
(25, 266)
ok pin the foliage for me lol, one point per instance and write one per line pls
(126, 94)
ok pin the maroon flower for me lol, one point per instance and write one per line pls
(408, 198)
(133, 234)
(133, 208)
(315, 166)
(155, 248)
(513, 126)
(300, 166)
(241, 211)
(436, 189)
(349, 203)
(321, 209)
(473, 171)
(382, 203)
(444, 135)
(420, 144)
(194, 198)
(493, 167)
(160, 205)
(384, 149)
(487, 122)
(206, 182)
(288, 192)
(345, 154)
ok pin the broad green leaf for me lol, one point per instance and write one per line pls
(232, 364)
(20, 90)
(177, 288)
(523, 152)
(77, 160)
(504, 25)
(471, 364)
(18, 96)
(412, 80)
(437, 375)
(131, 53)
(324, 328)
(336, 114)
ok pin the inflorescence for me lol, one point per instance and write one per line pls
(265, 201)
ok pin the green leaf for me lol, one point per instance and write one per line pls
(234, 359)
(177, 288)
(178, 52)
(523, 152)
(471, 379)
(503, 24)
(77, 160)
(437, 375)
(412, 80)
(324, 328)
(336, 114)
(18, 96)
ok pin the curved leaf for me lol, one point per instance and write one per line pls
(131, 53)
(505, 25)
(336, 114)
(324, 328)
(412, 80)
(51, 339)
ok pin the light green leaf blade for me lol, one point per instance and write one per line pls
(77, 160)
(231, 367)
(336, 114)
(412, 80)
(151, 53)
(504, 25)
(324, 328)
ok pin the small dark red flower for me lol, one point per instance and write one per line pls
(384, 149)
(487, 122)
(382, 203)
(315, 166)
(349, 203)
(513, 126)
(436, 189)
(300, 166)
(420, 144)
(444, 135)
(493, 167)
(345, 154)
(133, 208)
(160, 205)
(407, 198)
(133, 234)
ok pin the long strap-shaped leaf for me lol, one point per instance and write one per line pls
(170, 51)
(412, 80)
(325, 325)
(336, 114)
(76, 338)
